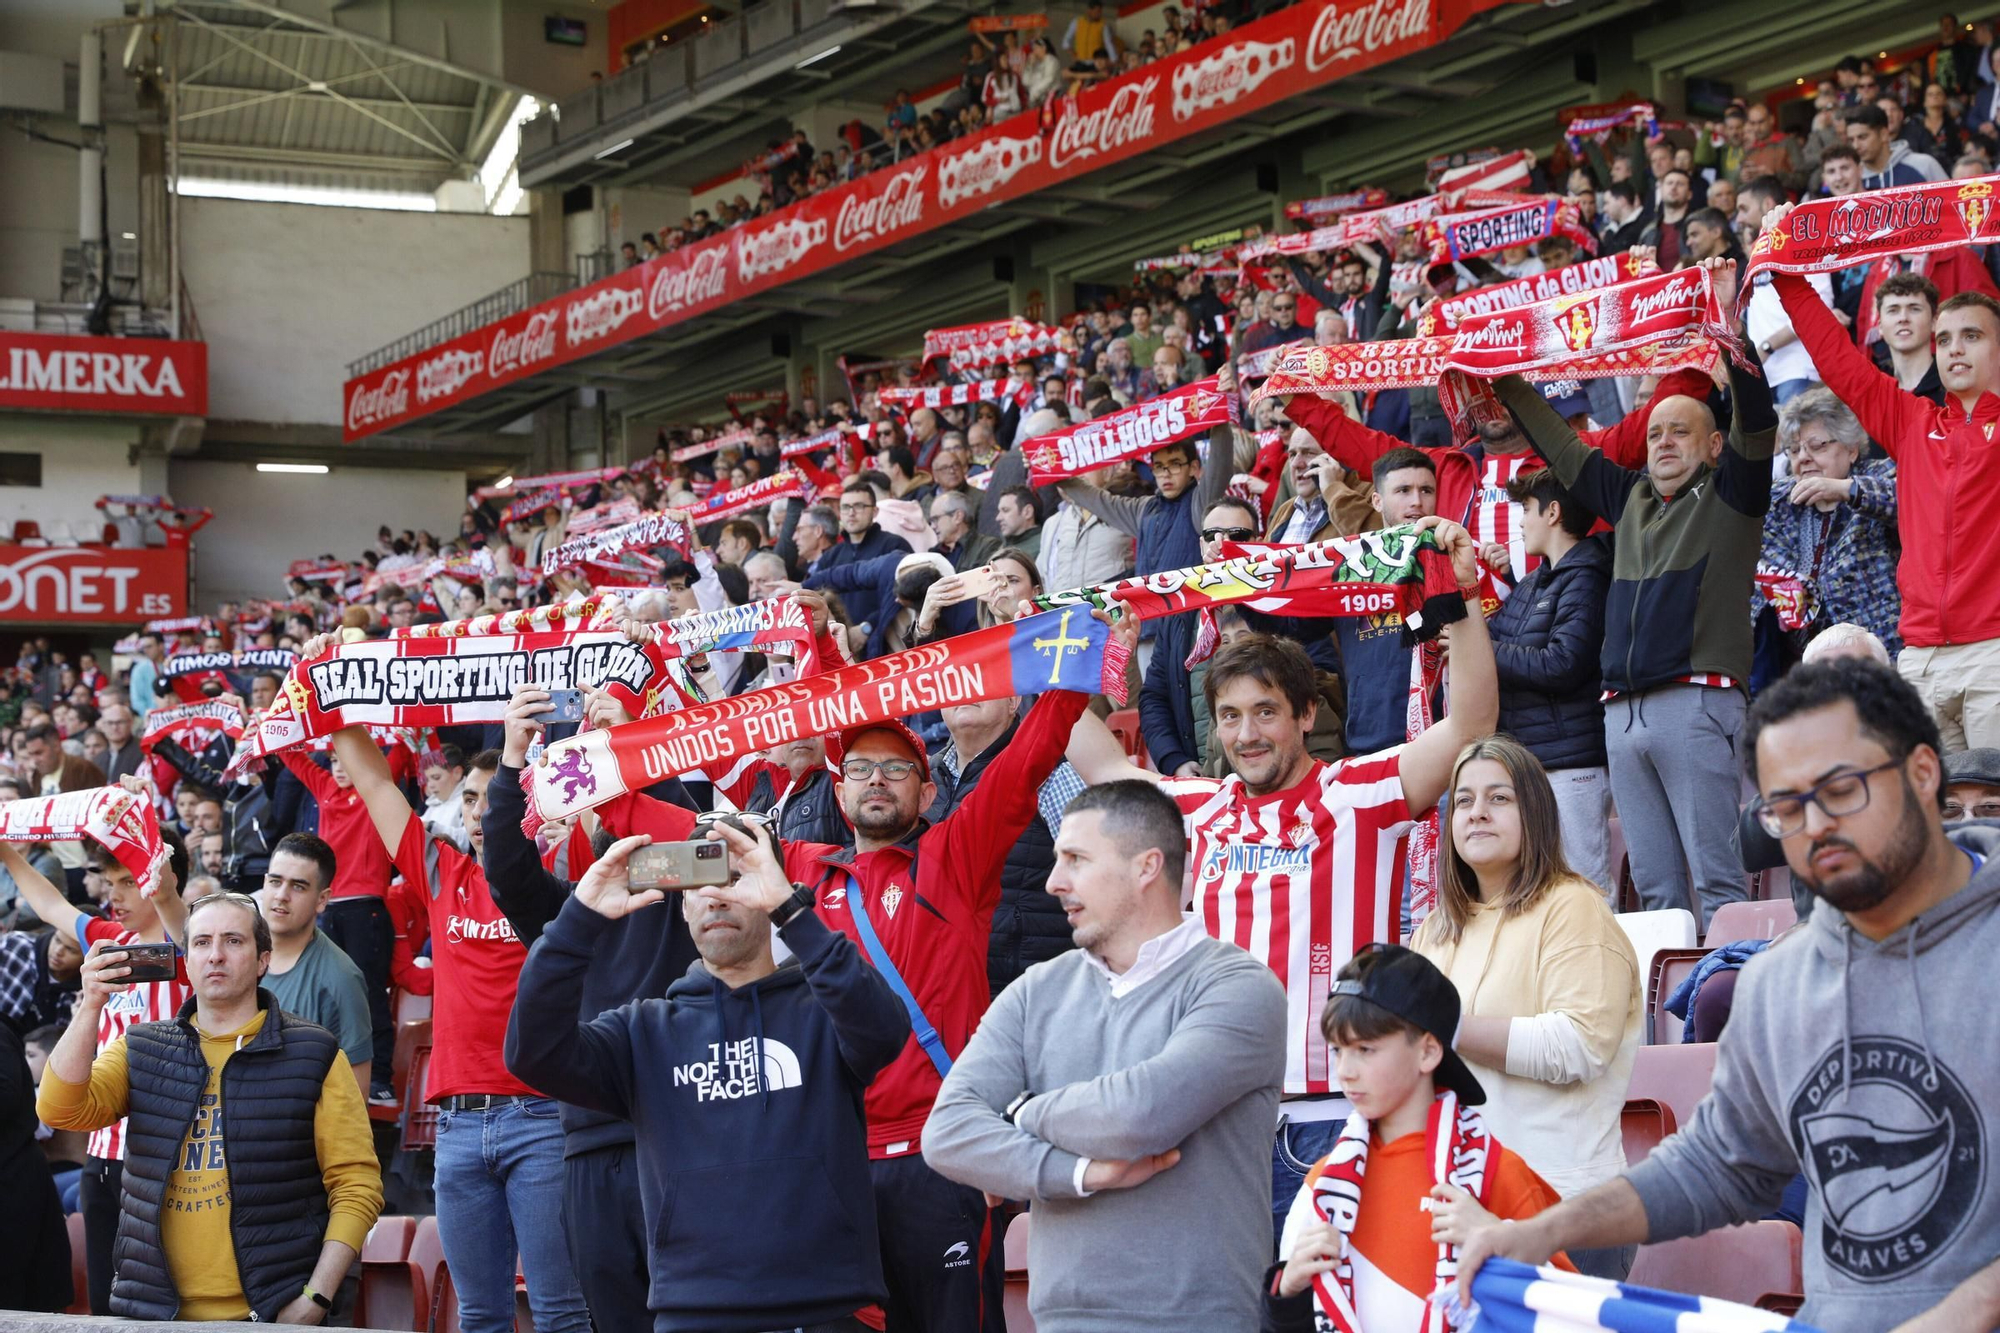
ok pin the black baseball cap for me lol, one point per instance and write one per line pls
(1409, 985)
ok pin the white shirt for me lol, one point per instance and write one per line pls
(1155, 956)
(1766, 317)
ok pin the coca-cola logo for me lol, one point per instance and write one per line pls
(447, 372)
(1126, 119)
(387, 400)
(777, 247)
(899, 204)
(1678, 294)
(1338, 36)
(985, 169)
(594, 317)
(514, 351)
(703, 278)
(1229, 74)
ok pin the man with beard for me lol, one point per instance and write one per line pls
(1850, 1054)
(919, 899)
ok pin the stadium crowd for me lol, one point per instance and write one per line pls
(1273, 973)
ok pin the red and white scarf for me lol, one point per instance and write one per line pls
(1600, 127)
(609, 543)
(1493, 229)
(553, 481)
(1336, 205)
(119, 821)
(1137, 431)
(193, 726)
(759, 493)
(957, 395)
(734, 439)
(1649, 325)
(1444, 315)
(1822, 235)
(1426, 675)
(1460, 1152)
(1483, 169)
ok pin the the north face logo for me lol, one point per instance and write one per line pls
(731, 1070)
(1898, 1165)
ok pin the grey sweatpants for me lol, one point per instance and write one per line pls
(1674, 779)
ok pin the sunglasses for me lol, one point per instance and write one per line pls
(1227, 534)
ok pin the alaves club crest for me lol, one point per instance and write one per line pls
(1897, 1163)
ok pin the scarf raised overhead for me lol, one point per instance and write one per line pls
(119, 821)
(1822, 235)
(193, 726)
(1133, 433)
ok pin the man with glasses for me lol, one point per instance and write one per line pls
(1284, 326)
(862, 539)
(919, 899)
(1972, 785)
(1852, 1054)
(957, 540)
(1166, 706)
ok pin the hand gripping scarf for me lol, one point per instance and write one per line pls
(812, 444)
(1460, 1152)
(1822, 235)
(1494, 229)
(1645, 326)
(728, 504)
(1444, 315)
(458, 672)
(1193, 409)
(193, 726)
(1600, 127)
(1056, 650)
(119, 821)
(608, 544)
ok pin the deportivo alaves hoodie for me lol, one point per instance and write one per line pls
(746, 1110)
(1871, 1066)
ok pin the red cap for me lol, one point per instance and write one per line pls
(836, 746)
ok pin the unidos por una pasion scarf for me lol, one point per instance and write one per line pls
(1460, 1152)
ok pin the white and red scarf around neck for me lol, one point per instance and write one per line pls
(1460, 1152)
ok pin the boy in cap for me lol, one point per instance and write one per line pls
(1358, 1250)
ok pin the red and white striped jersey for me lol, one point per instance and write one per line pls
(145, 1002)
(1493, 517)
(1301, 878)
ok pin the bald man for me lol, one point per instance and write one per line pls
(1676, 640)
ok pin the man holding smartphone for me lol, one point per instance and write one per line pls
(738, 1056)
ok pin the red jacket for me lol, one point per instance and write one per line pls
(361, 862)
(931, 899)
(1947, 480)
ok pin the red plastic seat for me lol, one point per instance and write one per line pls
(1015, 1298)
(1760, 920)
(1670, 968)
(1741, 1264)
(395, 1293)
(420, 1118)
(1124, 725)
(1645, 1125)
(1677, 1077)
(27, 532)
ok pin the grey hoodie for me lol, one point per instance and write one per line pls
(1870, 1067)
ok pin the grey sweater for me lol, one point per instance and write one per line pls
(1191, 1059)
(1870, 1067)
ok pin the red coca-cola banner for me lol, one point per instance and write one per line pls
(91, 585)
(44, 371)
(1280, 55)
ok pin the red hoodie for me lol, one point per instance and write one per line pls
(931, 899)
(1947, 480)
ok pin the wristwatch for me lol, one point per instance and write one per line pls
(784, 912)
(1014, 1107)
(317, 1299)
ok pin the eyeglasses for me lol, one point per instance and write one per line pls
(857, 509)
(860, 770)
(1227, 534)
(1988, 808)
(1840, 795)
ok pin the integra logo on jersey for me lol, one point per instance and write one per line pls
(1257, 858)
(1895, 1150)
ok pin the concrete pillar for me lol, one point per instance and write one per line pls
(547, 251)
(156, 238)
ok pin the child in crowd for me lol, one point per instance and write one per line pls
(1358, 1249)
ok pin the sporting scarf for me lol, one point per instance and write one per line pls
(119, 821)
(776, 623)
(1211, 262)
(1460, 1152)
(1822, 235)
(1250, 365)
(532, 502)
(957, 395)
(1381, 224)
(188, 672)
(187, 624)
(475, 568)
(1426, 674)
(734, 439)
(610, 543)
(1295, 243)
(1514, 1298)
(1134, 432)
(1056, 650)
(1493, 229)
(1446, 313)
(1335, 205)
(812, 444)
(193, 727)
(759, 493)
(1650, 325)
(1398, 570)
(776, 400)
(1008, 22)
(454, 673)
(1481, 169)
(1796, 603)
(625, 509)
(948, 342)
(1599, 127)
(553, 481)
(1034, 340)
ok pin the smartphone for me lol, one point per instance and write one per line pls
(679, 865)
(149, 962)
(564, 706)
(979, 582)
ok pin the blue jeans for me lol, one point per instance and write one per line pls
(1784, 392)
(1293, 1153)
(500, 1189)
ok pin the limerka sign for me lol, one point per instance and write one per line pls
(103, 374)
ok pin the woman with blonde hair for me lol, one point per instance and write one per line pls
(1548, 982)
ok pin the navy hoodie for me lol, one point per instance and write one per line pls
(757, 1190)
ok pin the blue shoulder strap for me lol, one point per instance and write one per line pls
(927, 1036)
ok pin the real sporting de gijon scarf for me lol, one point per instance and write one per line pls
(1135, 432)
(1067, 649)
(1822, 235)
(1446, 313)
(119, 821)
(1650, 325)
(728, 504)
(1460, 1152)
